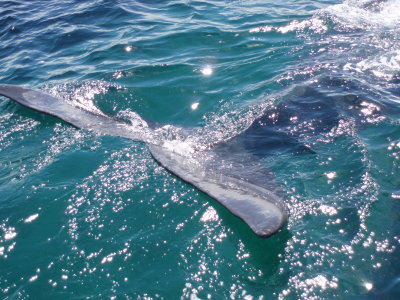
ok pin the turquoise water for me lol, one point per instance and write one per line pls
(88, 216)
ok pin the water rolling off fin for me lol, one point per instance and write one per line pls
(260, 208)
(80, 118)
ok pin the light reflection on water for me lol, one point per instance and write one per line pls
(97, 217)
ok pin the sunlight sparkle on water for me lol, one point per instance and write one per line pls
(368, 286)
(10, 235)
(31, 218)
(330, 175)
(210, 215)
(194, 106)
(207, 70)
(328, 210)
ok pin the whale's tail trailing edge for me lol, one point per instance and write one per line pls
(261, 209)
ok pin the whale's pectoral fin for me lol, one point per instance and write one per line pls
(80, 118)
(260, 208)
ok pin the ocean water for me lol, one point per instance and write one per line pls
(84, 216)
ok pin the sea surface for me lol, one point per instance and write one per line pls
(85, 216)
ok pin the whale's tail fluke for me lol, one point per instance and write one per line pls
(257, 205)
(80, 118)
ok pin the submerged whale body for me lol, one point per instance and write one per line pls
(244, 186)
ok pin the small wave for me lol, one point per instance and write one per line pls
(349, 15)
(81, 94)
(384, 65)
(315, 24)
(362, 36)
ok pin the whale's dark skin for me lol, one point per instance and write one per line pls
(227, 172)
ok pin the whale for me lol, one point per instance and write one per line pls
(226, 171)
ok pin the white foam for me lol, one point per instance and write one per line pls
(378, 25)
(385, 65)
(316, 24)
(179, 147)
(355, 14)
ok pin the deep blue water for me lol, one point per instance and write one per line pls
(88, 216)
